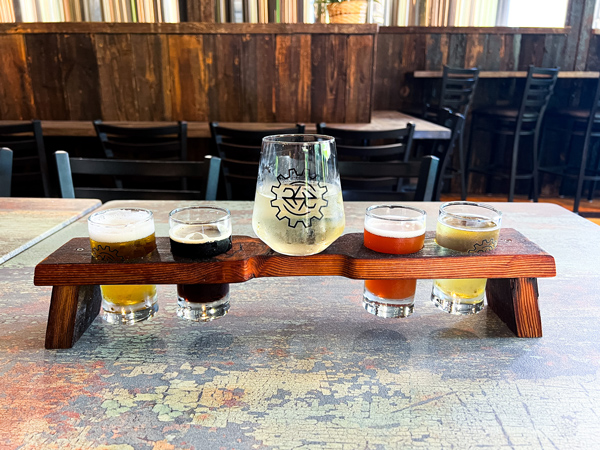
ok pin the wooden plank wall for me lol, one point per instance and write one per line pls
(401, 51)
(194, 72)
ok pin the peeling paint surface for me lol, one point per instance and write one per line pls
(300, 364)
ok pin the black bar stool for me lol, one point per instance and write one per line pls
(582, 162)
(458, 90)
(515, 123)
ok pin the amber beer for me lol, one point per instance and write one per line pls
(397, 230)
(198, 233)
(118, 235)
(466, 227)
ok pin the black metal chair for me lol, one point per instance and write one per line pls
(6, 160)
(444, 149)
(516, 123)
(207, 171)
(377, 181)
(371, 145)
(167, 143)
(457, 92)
(239, 151)
(582, 162)
(30, 167)
(163, 142)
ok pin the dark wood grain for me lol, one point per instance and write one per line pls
(152, 76)
(250, 258)
(16, 95)
(515, 301)
(43, 59)
(72, 310)
(358, 79)
(80, 77)
(117, 81)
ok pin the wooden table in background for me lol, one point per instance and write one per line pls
(26, 221)
(507, 74)
(298, 363)
(380, 120)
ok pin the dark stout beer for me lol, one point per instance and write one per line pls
(201, 233)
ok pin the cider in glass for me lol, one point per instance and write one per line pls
(298, 207)
(469, 228)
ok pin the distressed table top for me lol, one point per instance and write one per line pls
(300, 364)
(26, 221)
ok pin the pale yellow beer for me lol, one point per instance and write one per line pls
(120, 235)
(469, 228)
(301, 228)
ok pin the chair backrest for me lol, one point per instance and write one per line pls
(371, 145)
(443, 148)
(206, 171)
(381, 180)
(162, 142)
(458, 88)
(239, 151)
(29, 158)
(6, 160)
(536, 95)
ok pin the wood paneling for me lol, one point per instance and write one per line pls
(187, 71)
(402, 51)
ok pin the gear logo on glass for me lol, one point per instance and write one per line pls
(298, 201)
(105, 253)
(484, 246)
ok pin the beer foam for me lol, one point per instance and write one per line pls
(120, 225)
(199, 234)
(394, 228)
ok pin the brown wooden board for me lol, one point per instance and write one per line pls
(80, 76)
(152, 76)
(16, 96)
(118, 90)
(43, 58)
(515, 257)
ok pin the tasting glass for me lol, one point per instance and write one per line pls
(200, 232)
(398, 230)
(466, 227)
(118, 235)
(298, 207)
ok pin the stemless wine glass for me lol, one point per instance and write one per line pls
(298, 208)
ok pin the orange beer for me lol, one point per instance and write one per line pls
(398, 230)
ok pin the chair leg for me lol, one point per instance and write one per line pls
(462, 164)
(581, 176)
(534, 180)
(513, 168)
(467, 160)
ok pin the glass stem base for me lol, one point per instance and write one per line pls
(453, 305)
(202, 312)
(389, 309)
(127, 315)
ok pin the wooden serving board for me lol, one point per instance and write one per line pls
(513, 268)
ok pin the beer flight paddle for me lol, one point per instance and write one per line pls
(512, 270)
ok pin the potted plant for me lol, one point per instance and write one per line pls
(347, 11)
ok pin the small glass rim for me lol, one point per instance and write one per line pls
(200, 222)
(282, 138)
(369, 213)
(443, 207)
(120, 225)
